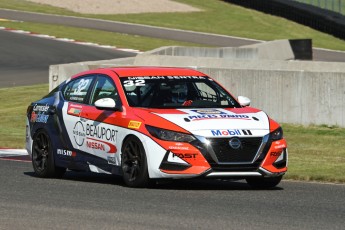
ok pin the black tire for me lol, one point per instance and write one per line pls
(264, 182)
(42, 157)
(134, 163)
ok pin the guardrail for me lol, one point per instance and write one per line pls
(320, 19)
(333, 5)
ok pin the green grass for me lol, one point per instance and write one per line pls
(217, 17)
(14, 102)
(316, 153)
(103, 38)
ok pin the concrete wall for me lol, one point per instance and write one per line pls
(273, 50)
(299, 97)
(301, 92)
(59, 73)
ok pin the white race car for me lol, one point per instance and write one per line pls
(148, 123)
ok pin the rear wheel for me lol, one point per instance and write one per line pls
(42, 156)
(264, 182)
(134, 163)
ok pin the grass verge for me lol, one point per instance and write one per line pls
(217, 17)
(14, 102)
(316, 153)
(88, 35)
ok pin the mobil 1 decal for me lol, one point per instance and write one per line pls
(208, 114)
(230, 132)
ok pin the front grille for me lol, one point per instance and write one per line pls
(245, 154)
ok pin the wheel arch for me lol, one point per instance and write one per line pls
(154, 152)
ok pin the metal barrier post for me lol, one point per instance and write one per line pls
(339, 6)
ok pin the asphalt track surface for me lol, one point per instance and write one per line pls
(25, 60)
(153, 31)
(94, 201)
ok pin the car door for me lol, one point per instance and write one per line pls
(75, 95)
(101, 126)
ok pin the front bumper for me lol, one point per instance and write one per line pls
(263, 158)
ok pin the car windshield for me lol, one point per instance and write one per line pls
(176, 92)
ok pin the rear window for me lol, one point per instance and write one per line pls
(76, 90)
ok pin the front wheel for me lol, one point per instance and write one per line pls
(42, 157)
(134, 163)
(264, 182)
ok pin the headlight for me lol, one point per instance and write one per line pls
(277, 134)
(168, 135)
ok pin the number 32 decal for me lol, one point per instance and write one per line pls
(81, 86)
(129, 83)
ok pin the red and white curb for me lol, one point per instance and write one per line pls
(66, 39)
(14, 155)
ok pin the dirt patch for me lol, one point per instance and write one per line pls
(119, 6)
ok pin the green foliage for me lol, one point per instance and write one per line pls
(216, 17)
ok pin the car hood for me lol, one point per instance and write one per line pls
(218, 122)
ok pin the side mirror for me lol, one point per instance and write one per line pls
(244, 101)
(105, 104)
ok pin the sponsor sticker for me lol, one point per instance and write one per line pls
(100, 145)
(79, 133)
(40, 108)
(185, 155)
(100, 132)
(275, 154)
(207, 111)
(33, 117)
(227, 132)
(112, 160)
(178, 146)
(65, 152)
(218, 116)
(39, 117)
(165, 77)
(95, 137)
(74, 109)
(230, 132)
(134, 124)
(280, 146)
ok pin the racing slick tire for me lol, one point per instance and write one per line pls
(264, 182)
(42, 157)
(134, 163)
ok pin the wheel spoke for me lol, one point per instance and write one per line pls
(131, 160)
(38, 151)
(133, 163)
(44, 161)
(128, 154)
(132, 174)
(41, 147)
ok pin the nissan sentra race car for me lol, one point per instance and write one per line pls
(149, 123)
